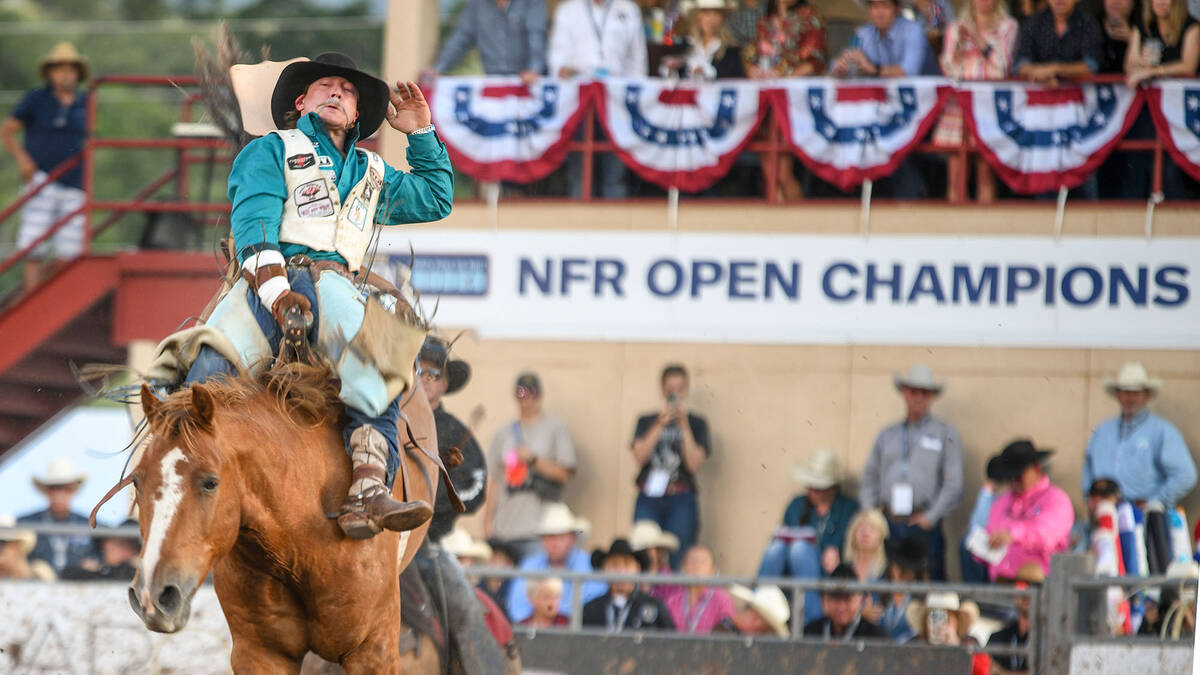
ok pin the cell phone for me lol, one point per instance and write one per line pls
(937, 625)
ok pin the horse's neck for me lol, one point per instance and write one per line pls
(288, 478)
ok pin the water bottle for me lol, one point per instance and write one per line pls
(855, 43)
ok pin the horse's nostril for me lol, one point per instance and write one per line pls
(169, 599)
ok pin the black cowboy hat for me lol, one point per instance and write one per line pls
(995, 469)
(456, 371)
(620, 546)
(295, 78)
(1017, 455)
(908, 553)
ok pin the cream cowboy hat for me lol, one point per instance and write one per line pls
(916, 612)
(768, 602)
(695, 5)
(646, 534)
(65, 52)
(1132, 377)
(460, 544)
(920, 376)
(821, 472)
(558, 519)
(59, 472)
(250, 80)
(26, 537)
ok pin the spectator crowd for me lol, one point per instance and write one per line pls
(1045, 41)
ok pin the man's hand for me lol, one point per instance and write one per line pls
(26, 166)
(1046, 73)
(409, 110)
(872, 611)
(830, 559)
(567, 71)
(524, 454)
(529, 77)
(920, 520)
(1000, 539)
(288, 301)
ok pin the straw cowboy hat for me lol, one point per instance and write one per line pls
(65, 53)
(1132, 377)
(59, 472)
(768, 602)
(917, 612)
(920, 376)
(456, 371)
(460, 544)
(295, 77)
(697, 5)
(558, 519)
(821, 472)
(26, 537)
(646, 534)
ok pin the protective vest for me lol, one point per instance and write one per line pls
(313, 214)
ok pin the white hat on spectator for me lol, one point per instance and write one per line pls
(821, 472)
(26, 537)
(558, 519)
(920, 376)
(707, 4)
(916, 612)
(768, 602)
(58, 473)
(1132, 377)
(460, 544)
(646, 534)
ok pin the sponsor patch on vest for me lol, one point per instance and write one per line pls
(311, 191)
(301, 161)
(358, 213)
(324, 162)
(319, 209)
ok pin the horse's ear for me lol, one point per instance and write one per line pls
(202, 405)
(150, 403)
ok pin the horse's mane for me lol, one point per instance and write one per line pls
(306, 394)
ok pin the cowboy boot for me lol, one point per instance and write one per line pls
(369, 509)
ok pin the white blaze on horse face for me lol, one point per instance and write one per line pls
(170, 492)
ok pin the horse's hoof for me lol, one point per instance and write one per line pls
(357, 525)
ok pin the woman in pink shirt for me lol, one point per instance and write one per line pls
(698, 609)
(1033, 519)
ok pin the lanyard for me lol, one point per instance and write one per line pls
(616, 620)
(693, 620)
(598, 28)
(849, 629)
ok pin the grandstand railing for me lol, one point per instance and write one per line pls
(179, 172)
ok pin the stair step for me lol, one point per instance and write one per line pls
(42, 370)
(38, 403)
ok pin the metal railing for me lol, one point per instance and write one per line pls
(794, 586)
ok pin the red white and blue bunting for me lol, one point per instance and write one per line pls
(1039, 140)
(850, 131)
(687, 135)
(1175, 107)
(683, 136)
(497, 128)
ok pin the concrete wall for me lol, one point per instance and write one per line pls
(771, 405)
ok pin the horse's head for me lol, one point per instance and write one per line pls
(188, 506)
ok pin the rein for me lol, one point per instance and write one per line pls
(128, 479)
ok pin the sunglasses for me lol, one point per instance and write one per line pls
(431, 374)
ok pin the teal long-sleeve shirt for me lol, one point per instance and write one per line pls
(257, 188)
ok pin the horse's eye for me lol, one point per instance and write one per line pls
(134, 480)
(209, 484)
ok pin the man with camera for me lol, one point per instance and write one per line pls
(670, 454)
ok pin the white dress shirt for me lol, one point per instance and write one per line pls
(598, 38)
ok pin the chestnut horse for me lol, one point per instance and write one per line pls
(238, 478)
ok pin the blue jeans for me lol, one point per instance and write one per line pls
(605, 165)
(798, 559)
(678, 514)
(974, 571)
(934, 538)
(210, 364)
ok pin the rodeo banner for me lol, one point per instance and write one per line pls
(808, 289)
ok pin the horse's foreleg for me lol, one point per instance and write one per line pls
(379, 653)
(255, 658)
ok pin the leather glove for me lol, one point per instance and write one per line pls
(288, 301)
